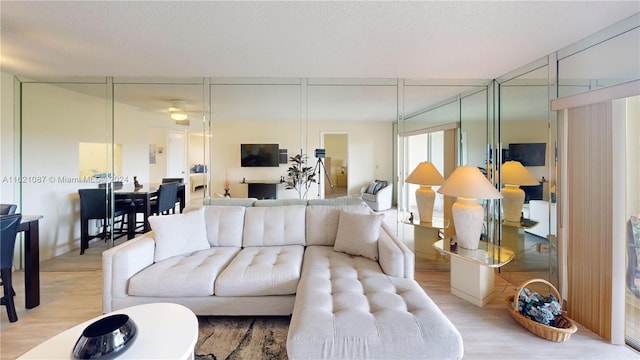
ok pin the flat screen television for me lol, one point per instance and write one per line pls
(528, 154)
(259, 155)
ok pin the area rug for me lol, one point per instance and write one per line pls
(229, 338)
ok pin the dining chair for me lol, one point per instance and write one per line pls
(94, 204)
(170, 180)
(166, 200)
(8, 230)
(8, 209)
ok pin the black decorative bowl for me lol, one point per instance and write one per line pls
(106, 338)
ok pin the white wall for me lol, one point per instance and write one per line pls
(8, 158)
(158, 170)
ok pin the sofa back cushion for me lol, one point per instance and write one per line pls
(279, 202)
(224, 225)
(274, 226)
(322, 222)
(335, 202)
(246, 202)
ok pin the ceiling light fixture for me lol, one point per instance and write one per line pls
(177, 110)
(178, 116)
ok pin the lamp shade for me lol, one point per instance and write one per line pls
(513, 173)
(468, 182)
(425, 174)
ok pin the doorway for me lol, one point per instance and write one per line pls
(176, 157)
(336, 163)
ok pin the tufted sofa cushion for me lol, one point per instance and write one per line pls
(274, 226)
(260, 271)
(346, 308)
(187, 275)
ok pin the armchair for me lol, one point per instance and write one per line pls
(378, 195)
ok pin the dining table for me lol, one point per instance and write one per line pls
(141, 196)
(29, 224)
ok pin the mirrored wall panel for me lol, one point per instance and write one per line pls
(527, 223)
(64, 124)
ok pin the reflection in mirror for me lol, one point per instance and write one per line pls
(55, 119)
(593, 67)
(429, 131)
(253, 111)
(156, 144)
(95, 160)
(475, 133)
(363, 110)
(526, 137)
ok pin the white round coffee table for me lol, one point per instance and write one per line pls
(165, 331)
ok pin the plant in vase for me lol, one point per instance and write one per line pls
(301, 176)
(227, 194)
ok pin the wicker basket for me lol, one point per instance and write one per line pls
(557, 334)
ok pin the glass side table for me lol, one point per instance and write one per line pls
(472, 271)
(425, 234)
(513, 234)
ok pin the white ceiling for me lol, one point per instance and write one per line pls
(377, 39)
(282, 39)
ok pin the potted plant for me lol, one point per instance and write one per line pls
(301, 176)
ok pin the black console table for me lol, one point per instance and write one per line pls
(262, 189)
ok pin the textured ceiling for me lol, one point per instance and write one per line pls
(161, 41)
(426, 39)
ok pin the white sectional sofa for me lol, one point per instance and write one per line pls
(334, 266)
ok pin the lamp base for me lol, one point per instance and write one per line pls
(425, 198)
(512, 201)
(467, 216)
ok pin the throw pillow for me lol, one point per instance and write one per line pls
(380, 184)
(179, 234)
(358, 234)
(371, 188)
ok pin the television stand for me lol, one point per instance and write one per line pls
(262, 189)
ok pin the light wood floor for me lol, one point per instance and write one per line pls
(71, 290)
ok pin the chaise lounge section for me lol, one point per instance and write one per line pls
(334, 266)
